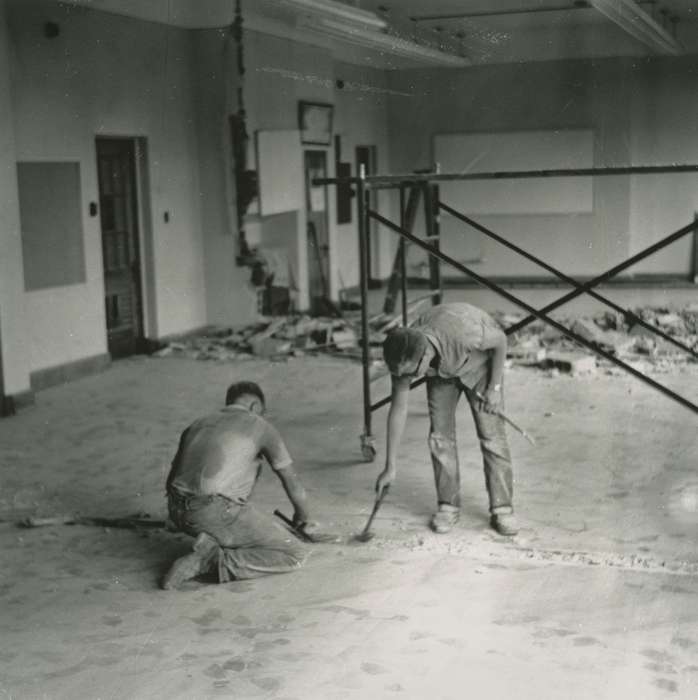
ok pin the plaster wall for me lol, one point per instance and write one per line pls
(362, 120)
(14, 368)
(106, 75)
(637, 110)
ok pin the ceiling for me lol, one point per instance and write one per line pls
(469, 30)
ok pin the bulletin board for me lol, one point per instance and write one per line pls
(521, 150)
(280, 171)
(50, 210)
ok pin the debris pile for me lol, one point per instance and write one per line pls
(537, 344)
(629, 337)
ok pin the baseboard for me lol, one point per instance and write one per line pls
(10, 405)
(68, 372)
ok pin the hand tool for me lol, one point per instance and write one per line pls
(365, 535)
(129, 522)
(300, 532)
(509, 420)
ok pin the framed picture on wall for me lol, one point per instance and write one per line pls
(315, 123)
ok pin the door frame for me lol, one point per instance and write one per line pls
(371, 238)
(138, 175)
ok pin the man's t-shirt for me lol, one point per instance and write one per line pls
(459, 332)
(222, 454)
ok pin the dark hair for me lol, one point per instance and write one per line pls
(403, 345)
(238, 389)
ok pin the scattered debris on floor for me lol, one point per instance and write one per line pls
(278, 338)
(536, 345)
(626, 337)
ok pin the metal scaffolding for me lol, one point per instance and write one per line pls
(428, 184)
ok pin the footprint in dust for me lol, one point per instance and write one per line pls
(215, 671)
(208, 618)
(357, 613)
(656, 655)
(682, 642)
(414, 636)
(516, 620)
(659, 668)
(453, 642)
(667, 684)
(268, 684)
(372, 669)
(235, 664)
(585, 641)
(395, 688)
(111, 620)
(547, 633)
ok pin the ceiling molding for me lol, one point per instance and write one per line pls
(632, 19)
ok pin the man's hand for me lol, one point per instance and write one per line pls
(385, 478)
(491, 402)
(300, 519)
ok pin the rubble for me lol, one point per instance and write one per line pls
(618, 334)
(536, 345)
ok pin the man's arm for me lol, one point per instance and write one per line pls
(174, 465)
(397, 416)
(496, 343)
(296, 494)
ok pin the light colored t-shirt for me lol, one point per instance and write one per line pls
(222, 453)
(459, 332)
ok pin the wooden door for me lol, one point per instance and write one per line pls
(118, 206)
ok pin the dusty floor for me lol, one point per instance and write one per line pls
(596, 598)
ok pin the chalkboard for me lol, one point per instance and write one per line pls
(51, 221)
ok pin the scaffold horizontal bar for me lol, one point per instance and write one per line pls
(388, 181)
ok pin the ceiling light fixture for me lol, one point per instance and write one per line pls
(338, 11)
(639, 24)
(389, 44)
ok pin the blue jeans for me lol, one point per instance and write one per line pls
(443, 395)
(250, 542)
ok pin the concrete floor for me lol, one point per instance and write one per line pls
(596, 598)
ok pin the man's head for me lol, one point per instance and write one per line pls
(247, 394)
(405, 351)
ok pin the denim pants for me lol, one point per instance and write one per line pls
(443, 395)
(250, 542)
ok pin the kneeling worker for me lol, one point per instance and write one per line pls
(213, 473)
(461, 349)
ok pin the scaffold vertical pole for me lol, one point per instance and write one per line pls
(367, 447)
(403, 256)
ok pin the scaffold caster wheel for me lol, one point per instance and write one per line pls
(367, 449)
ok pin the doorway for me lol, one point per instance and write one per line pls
(318, 232)
(368, 157)
(118, 207)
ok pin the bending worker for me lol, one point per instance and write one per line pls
(461, 349)
(212, 476)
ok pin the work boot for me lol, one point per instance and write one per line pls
(191, 565)
(505, 524)
(445, 518)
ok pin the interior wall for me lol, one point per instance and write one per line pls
(281, 72)
(664, 130)
(625, 103)
(106, 75)
(230, 298)
(362, 120)
(14, 367)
